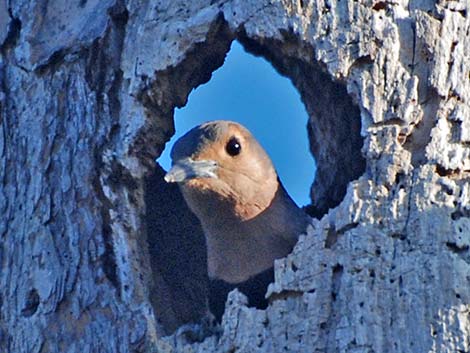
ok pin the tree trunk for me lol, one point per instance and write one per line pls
(98, 254)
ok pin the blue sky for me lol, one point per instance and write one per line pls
(248, 90)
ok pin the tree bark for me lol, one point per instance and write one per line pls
(98, 254)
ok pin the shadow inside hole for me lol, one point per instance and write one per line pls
(177, 255)
(31, 303)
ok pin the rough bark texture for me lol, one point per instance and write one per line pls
(98, 255)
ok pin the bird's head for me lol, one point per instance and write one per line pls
(221, 162)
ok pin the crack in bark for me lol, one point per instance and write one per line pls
(14, 31)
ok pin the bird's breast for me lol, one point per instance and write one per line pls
(214, 203)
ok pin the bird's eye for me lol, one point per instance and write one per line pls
(233, 146)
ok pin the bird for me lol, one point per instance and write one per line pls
(229, 182)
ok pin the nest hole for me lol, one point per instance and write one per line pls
(175, 239)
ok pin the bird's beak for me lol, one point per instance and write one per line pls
(187, 168)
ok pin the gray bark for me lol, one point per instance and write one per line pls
(98, 254)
